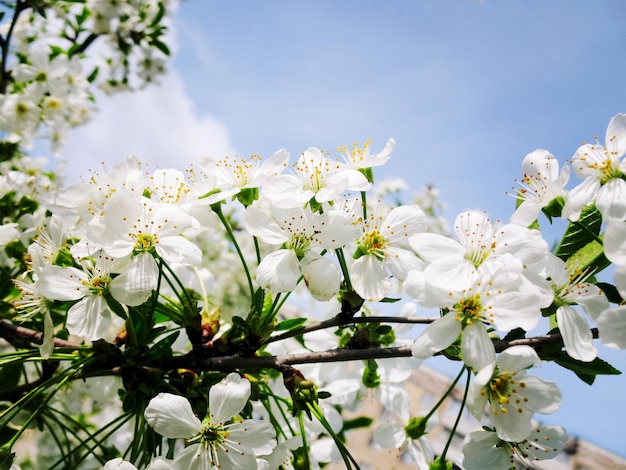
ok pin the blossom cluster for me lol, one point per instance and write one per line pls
(174, 284)
(131, 238)
(47, 75)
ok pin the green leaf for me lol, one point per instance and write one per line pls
(390, 300)
(358, 422)
(384, 330)
(159, 15)
(161, 348)
(611, 292)
(160, 46)
(580, 233)
(6, 458)
(586, 371)
(517, 333)
(93, 75)
(554, 208)
(589, 256)
(290, 324)
(10, 374)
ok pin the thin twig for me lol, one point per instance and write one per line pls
(339, 321)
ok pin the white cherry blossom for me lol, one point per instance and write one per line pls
(571, 289)
(493, 299)
(302, 235)
(540, 184)
(602, 169)
(362, 158)
(316, 177)
(220, 440)
(451, 264)
(511, 394)
(380, 251)
(90, 317)
(485, 450)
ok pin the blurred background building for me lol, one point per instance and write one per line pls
(425, 388)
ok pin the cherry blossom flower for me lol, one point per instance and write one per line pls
(451, 264)
(485, 450)
(571, 289)
(540, 185)
(90, 317)
(511, 394)
(381, 248)
(602, 169)
(240, 174)
(221, 440)
(303, 234)
(393, 435)
(137, 229)
(362, 158)
(316, 178)
(493, 299)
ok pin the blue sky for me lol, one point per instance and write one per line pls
(466, 88)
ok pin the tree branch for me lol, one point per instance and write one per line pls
(13, 333)
(229, 363)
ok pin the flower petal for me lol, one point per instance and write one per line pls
(172, 417)
(437, 336)
(227, 398)
(576, 333)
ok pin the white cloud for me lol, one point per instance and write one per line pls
(158, 124)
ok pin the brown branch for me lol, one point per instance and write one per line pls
(15, 334)
(229, 363)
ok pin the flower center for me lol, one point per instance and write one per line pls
(98, 284)
(145, 242)
(469, 310)
(239, 168)
(503, 391)
(213, 436)
(372, 243)
(299, 243)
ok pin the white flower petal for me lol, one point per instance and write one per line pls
(611, 199)
(612, 327)
(59, 283)
(134, 286)
(577, 335)
(227, 398)
(390, 436)
(178, 249)
(279, 271)
(437, 336)
(255, 434)
(370, 278)
(172, 417)
(118, 464)
(476, 346)
(90, 318)
(481, 451)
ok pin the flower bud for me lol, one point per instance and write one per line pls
(322, 278)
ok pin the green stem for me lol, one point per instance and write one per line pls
(307, 462)
(344, 268)
(364, 202)
(445, 395)
(458, 417)
(218, 210)
(39, 410)
(345, 453)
